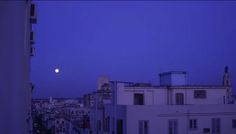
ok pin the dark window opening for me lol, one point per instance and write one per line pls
(143, 127)
(179, 98)
(99, 125)
(32, 11)
(192, 124)
(119, 126)
(31, 35)
(138, 99)
(106, 125)
(216, 129)
(234, 123)
(173, 126)
(200, 94)
(206, 130)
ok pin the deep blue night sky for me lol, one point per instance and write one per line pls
(130, 41)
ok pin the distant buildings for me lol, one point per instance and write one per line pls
(59, 115)
(16, 49)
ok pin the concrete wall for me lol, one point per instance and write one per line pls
(15, 90)
(165, 80)
(166, 95)
(178, 79)
(173, 78)
(213, 95)
(159, 107)
(158, 118)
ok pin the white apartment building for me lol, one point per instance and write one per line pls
(16, 49)
(174, 107)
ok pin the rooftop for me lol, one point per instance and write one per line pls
(173, 72)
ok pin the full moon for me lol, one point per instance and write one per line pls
(56, 70)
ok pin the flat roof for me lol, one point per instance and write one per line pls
(182, 86)
(173, 72)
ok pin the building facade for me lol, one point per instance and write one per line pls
(174, 107)
(16, 49)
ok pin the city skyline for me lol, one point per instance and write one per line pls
(117, 67)
(130, 41)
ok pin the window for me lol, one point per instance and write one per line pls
(200, 94)
(234, 123)
(179, 97)
(32, 11)
(193, 124)
(224, 99)
(138, 99)
(215, 123)
(206, 130)
(32, 50)
(119, 126)
(31, 36)
(173, 126)
(107, 124)
(86, 123)
(99, 125)
(33, 18)
(143, 127)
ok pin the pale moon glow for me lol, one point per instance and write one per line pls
(56, 70)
